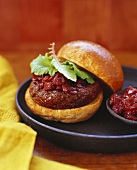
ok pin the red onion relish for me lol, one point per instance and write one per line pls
(58, 82)
(125, 104)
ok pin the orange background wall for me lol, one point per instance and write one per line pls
(32, 24)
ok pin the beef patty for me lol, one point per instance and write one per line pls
(56, 92)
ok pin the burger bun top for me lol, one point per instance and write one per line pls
(95, 59)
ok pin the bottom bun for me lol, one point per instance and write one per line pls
(65, 115)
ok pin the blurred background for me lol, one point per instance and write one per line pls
(33, 24)
(27, 27)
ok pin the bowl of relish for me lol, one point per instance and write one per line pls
(123, 105)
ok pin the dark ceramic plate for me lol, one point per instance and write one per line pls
(102, 133)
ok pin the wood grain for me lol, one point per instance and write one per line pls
(31, 24)
(94, 161)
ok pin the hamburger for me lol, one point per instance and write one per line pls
(69, 87)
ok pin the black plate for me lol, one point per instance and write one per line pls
(102, 133)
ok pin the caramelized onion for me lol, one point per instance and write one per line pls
(125, 104)
(57, 82)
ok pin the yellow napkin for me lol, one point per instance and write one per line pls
(16, 146)
(8, 88)
(17, 139)
(43, 164)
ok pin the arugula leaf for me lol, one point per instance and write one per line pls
(43, 65)
(50, 65)
(79, 73)
(65, 70)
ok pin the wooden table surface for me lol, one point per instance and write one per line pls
(96, 161)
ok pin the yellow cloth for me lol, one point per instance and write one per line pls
(17, 139)
(8, 88)
(16, 146)
(43, 164)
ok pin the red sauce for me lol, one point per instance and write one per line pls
(58, 82)
(125, 104)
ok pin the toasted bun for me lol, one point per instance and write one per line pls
(65, 115)
(95, 59)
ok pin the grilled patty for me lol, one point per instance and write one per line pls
(62, 94)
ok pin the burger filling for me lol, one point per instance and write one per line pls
(61, 85)
(57, 92)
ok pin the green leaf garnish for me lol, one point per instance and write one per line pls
(82, 74)
(64, 69)
(43, 65)
(49, 64)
